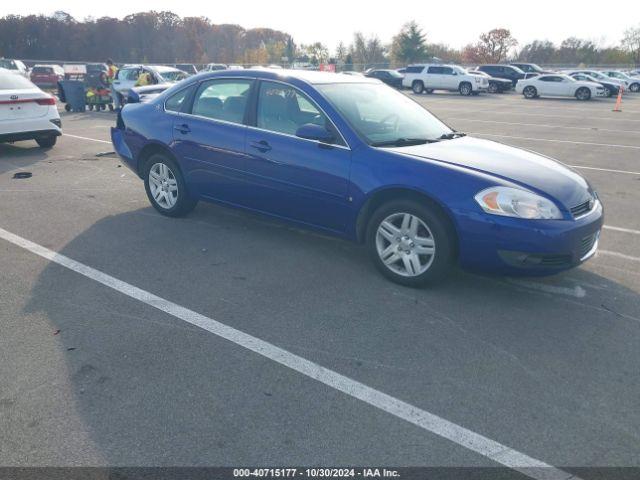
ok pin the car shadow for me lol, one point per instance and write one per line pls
(152, 390)
(21, 155)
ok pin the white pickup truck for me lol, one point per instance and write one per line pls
(427, 78)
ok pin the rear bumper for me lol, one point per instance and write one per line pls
(18, 136)
(122, 149)
(511, 246)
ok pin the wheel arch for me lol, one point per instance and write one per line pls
(379, 197)
(150, 149)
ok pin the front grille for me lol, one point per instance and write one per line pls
(586, 244)
(583, 208)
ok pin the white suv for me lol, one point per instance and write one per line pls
(421, 78)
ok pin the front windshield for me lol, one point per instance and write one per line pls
(382, 115)
(173, 76)
(395, 73)
(8, 64)
(460, 70)
(535, 68)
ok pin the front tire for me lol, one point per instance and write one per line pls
(493, 88)
(417, 86)
(465, 89)
(530, 92)
(411, 243)
(165, 187)
(608, 92)
(583, 94)
(47, 142)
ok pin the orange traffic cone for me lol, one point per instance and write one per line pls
(618, 107)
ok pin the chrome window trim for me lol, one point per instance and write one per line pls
(330, 145)
(197, 85)
(315, 104)
(346, 145)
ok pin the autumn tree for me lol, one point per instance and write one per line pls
(493, 46)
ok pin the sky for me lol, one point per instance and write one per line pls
(330, 21)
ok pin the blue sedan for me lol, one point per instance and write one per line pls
(352, 157)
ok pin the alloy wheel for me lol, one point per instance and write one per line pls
(163, 185)
(405, 244)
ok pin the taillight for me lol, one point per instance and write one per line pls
(46, 101)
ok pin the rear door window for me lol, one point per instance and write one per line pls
(224, 100)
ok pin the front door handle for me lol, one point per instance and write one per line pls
(183, 128)
(262, 146)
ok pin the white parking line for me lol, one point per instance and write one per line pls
(620, 229)
(619, 255)
(611, 145)
(592, 129)
(430, 422)
(86, 138)
(605, 169)
(488, 111)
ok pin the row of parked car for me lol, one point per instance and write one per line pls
(526, 78)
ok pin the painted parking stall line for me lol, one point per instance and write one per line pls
(86, 138)
(429, 422)
(574, 142)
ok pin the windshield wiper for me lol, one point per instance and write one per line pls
(452, 135)
(403, 142)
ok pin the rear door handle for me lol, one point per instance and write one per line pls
(262, 146)
(183, 128)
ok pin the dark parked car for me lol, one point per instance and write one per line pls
(354, 158)
(531, 68)
(496, 85)
(390, 77)
(503, 71)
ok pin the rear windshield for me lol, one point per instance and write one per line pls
(14, 82)
(42, 70)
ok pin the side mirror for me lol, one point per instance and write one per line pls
(311, 131)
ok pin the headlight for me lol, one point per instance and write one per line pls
(513, 202)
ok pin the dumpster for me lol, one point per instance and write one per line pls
(74, 95)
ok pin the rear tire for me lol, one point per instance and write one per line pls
(417, 86)
(634, 87)
(411, 257)
(465, 89)
(583, 94)
(165, 186)
(47, 142)
(530, 92)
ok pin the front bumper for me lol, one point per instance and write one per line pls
(512, 246)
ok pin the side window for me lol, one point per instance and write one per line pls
(447, 71)
(128, 74)
(415, 69)
(222, 100)
(284, 109)
(176, 101)
(435, 70)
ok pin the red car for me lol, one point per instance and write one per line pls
(47, 75)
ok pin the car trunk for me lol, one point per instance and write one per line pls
(23, 104)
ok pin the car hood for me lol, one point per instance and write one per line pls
(528, 169)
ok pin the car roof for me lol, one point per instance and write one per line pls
(307, 76)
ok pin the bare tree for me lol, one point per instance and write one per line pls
(631, 43)
(494, 45)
